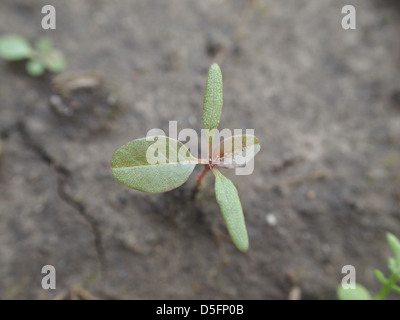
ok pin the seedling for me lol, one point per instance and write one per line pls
(159, 163)
(388, 284)
(40, 58)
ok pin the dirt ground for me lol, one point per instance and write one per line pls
(324, 102)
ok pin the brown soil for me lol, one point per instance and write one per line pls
(323, 101)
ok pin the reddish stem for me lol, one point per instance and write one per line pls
(203, 173)
(199, 180)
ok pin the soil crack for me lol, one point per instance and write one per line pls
(63, 176)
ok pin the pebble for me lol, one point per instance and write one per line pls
(271, 219)
(294, 293)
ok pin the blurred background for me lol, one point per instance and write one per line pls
(323, 101)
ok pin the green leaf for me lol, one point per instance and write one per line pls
(212, 106)
(54, 61)
(236, 151)
(394, 244)
(34, 68)
(392, 265)
(358, 293)
(231, 208)
(153, 164)
(13, 48)
(380, 276)
(43, 44)
(395, 288)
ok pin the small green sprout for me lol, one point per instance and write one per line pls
(388, 284)
(133, 166)
(40, 58)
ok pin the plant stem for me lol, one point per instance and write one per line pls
(387, 287)
(203, 174)
(200, 180)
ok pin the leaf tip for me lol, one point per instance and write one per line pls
(215, 67)
(393, 242)
(243, 247)
(391, 238)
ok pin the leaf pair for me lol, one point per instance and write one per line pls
(40, 58)
(159, 164)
